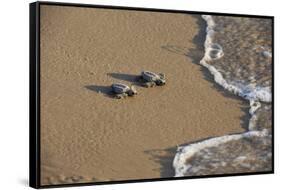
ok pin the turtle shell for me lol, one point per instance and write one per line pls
(149, 76)
(120, 88)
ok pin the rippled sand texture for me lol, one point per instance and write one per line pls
(87, 135)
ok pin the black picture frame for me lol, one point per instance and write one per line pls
(34, 98)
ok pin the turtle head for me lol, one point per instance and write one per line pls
(161, 80)
(132, 91)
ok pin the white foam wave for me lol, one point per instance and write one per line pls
(186, 152)
(214, 51)
(250, 92)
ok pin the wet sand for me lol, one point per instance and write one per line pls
(86, 135)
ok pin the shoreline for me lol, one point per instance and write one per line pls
(199, 158)
(88, 136)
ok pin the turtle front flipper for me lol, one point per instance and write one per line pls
(162, 75)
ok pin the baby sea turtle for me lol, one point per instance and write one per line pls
(122, 90)
(151, 79)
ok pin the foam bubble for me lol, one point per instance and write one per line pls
(267, 54)
(214, 51)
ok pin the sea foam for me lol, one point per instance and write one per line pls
(186, 152)
(252, 93)
(214, 51)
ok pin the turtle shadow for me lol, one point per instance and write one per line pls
(133, 79)
(105, 90)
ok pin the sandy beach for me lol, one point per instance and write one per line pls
(88, 136)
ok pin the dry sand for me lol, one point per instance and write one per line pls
(89, 136)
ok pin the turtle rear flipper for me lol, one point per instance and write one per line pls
(121, 96)
(118, 96)
(149, 84)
